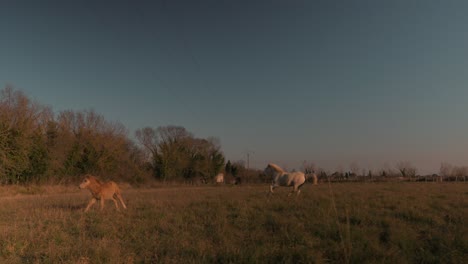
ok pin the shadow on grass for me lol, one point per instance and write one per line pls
(67, 207)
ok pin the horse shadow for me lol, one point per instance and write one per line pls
(67, 207)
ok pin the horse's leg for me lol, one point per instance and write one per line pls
(272, 187)
(91, 202)
(121, 200)
(298, 190)
(102, 203)
(270, 193)
(116, 204)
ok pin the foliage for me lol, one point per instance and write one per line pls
(21, 149)
(176, 154)
(36, 146)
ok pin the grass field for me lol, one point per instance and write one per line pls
(338, 223)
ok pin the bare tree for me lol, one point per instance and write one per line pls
(446, 169)
(354, 168)
(308, 167)
(149, 139)
(406, 169)
(459, 172)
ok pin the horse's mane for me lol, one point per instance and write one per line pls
(92, 178)
(276, 167)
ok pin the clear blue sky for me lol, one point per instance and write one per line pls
(332, 82)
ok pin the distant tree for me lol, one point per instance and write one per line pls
(38, 160)
(175, 153)
(308, 167)
(460, 172)
(51, 133)
(354, 168)
(90, 144)
(228, 168)
(20, 130)
(406, 169)
(239, 169)
(445, 169)
(235, 170)
(217, 161)
(149, 139)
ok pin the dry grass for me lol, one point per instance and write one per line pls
(355, 223)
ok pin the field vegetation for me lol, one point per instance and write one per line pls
(397, 222)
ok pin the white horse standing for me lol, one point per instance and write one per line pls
(219, 178)
(280, 177)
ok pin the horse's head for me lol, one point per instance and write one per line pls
(88, 179)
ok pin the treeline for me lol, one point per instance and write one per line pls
(403, 170)
(37, 145)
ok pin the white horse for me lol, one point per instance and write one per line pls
(280, 177)
(219, 178)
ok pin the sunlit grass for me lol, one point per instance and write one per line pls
(355, 222)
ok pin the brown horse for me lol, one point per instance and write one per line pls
(101, 191)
